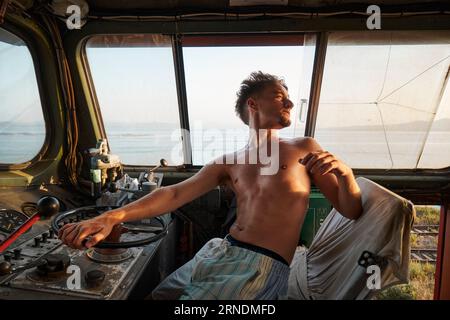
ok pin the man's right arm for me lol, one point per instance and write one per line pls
(168, 198)
(158, 202)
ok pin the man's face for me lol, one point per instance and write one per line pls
(274, 107)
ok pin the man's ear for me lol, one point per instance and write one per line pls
(251, 104)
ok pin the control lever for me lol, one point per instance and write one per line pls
(44, 265)
(46, 207)
(7, 269)
(162, 163)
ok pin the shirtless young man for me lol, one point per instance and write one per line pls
(252, 262)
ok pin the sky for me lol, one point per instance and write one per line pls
(19, 96)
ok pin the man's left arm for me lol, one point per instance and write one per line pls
(334, 179)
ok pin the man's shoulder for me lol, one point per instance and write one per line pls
(305, 143)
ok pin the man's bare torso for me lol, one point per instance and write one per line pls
(271, 208)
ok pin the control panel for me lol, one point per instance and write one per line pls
(41, 267)
(35, 264)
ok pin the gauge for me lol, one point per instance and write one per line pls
(10, 220)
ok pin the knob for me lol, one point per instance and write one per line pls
(17, 253)
(58, 262)
(48, 206)
(163, 162)
(5, 268)
(44, 237)
(94, 278)
(51, 233)
(7, 257)
(53, 263)
(37, 242)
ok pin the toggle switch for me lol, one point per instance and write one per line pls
(17, 254)
(37, 242)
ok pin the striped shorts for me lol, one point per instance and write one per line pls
(222, 271)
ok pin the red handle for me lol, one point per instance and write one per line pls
(27, 225)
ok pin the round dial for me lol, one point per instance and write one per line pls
(10, 220)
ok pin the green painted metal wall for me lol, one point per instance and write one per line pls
(319, 208)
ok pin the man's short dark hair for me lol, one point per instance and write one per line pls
(254, 84)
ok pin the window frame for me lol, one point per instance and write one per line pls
(27, 39)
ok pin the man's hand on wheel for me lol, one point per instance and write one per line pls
(74, 234)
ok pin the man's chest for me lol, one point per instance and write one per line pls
(284, 176)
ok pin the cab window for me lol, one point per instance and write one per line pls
(216, 65)
(385, 99)
(135, 85)
(22, 125)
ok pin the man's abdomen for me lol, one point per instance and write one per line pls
(274, 226)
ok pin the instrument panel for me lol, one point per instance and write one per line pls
(10, 220)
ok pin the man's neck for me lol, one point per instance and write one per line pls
(260, 137)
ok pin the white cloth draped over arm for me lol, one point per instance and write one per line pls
(329, 268)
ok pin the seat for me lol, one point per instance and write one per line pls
(329, 268)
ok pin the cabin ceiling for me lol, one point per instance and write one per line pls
(192, 6)
(225, 4)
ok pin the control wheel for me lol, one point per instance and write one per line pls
(157, 227)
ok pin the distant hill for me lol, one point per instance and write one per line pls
(439, 125)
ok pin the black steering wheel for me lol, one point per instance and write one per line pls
(84, 213)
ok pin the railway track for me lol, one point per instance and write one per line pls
(424, 254)
(428, 229)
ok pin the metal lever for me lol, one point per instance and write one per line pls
(10, 272)
(162, 163)
(149, 175)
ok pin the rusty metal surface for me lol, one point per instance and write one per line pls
(115, 273)
(120, 277)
